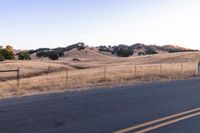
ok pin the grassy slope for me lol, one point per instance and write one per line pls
(36, 78)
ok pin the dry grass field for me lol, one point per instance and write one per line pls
(93, 69)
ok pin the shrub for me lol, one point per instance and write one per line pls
(24, 56)
(104, 49)
(150, 51)
(80, 46)
(122, 51)
(60, 52)
(1, 56)
(8, 53)
(42, 54)
(53, 55)
(32, 51)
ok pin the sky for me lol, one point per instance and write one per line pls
(30, 24)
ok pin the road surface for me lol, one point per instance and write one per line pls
(169, 107)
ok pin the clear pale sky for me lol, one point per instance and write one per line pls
(28, 24)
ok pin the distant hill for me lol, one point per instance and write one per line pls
(171, 47)
(138, 47)
(75, 50)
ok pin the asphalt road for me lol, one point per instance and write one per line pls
(104, 110)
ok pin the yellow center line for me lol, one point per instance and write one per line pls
(156, 121)
(167, 123)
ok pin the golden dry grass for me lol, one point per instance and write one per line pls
(93, 59)
(58, 81)
(35, 78)
(30, 68)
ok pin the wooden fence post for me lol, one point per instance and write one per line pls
(182, 69)
(197, 68)
(135, 70)
(104, 73)
(18, 77)
(66, 76)
(160, 68)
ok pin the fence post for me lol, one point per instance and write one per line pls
(182, 69)
(160, 68)
(135, 70)
(49, 69)
(66, 76)
(18, 77)
(104, 73)
(197, 68)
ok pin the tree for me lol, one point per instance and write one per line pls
(32, 51)
(8, 53)
(60, 52)
(42, 54)
(104, 49)
(150, 51)
(122, 51)
(24, 56)
(53, 55)
(1, 54)
(80, 46)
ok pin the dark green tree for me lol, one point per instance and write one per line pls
(53, 55)
(150, 51)
(1, 54)
(122, 51)
(24, 56)
(8, 53)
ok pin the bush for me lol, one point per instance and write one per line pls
(122, 51)
(24, 56)
(150, 51)
(80, 46)
(42, 54)
(8, 53)
(1, 56)
(60, 52)
(53, 55)
(32, 51)
(104, 49)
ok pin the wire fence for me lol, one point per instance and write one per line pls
(17, 71)
(64, 79)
